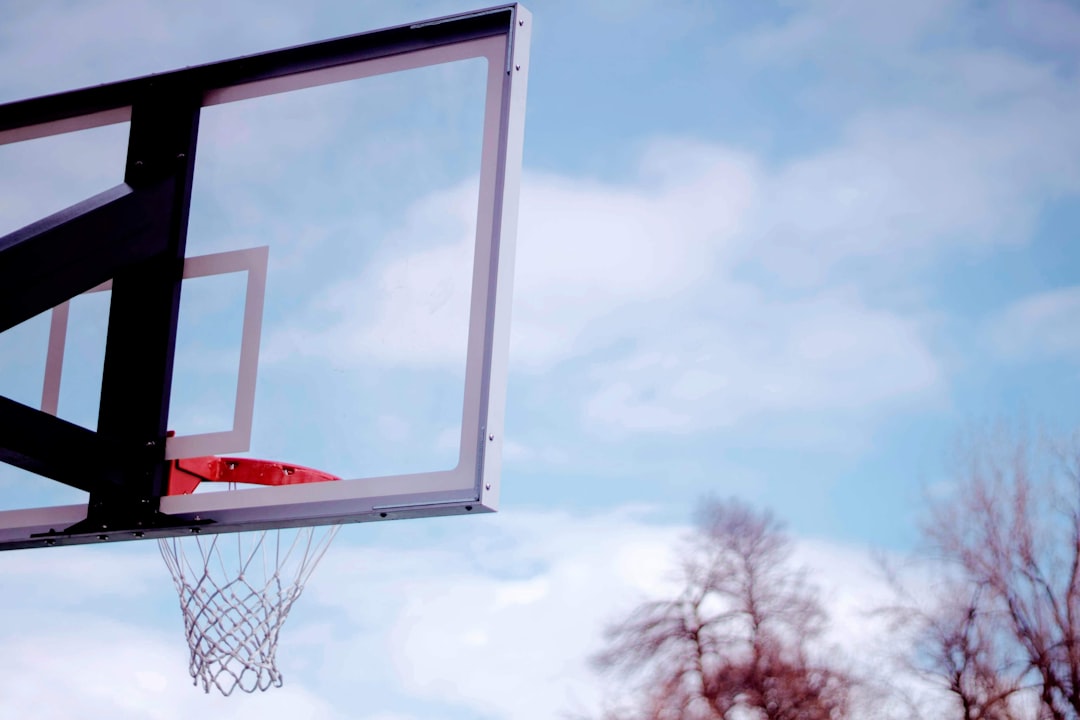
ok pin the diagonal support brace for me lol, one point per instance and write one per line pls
(71, 251)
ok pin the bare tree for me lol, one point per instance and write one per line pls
(959, 647)
(1011, 534)
(735, 642)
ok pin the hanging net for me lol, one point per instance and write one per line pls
(235, 593)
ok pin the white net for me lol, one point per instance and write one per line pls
(235, 592)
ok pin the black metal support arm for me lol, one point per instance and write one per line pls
(135, 235)
(137, 378)
(105, 104)
(31, 439)
(72, 251)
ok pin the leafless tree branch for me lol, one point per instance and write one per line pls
(735, 643)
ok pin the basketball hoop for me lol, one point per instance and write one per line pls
(236, 590)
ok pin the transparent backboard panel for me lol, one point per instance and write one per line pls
(346, 283)
(366, 194)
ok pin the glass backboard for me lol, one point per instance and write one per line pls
(343, 219)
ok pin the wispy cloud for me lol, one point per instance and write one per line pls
(495, 618)
(1039, 327)
(822, 354)
(636, 285)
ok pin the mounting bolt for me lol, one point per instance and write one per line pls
(195, 531)
(137, 534)
(517, 67)
(180, 156)
(468, 508)
(138, 163)
(151, 443)
(382, 515)
(487, 486)
(521, 23)
(50, 542)
(102, 537)
(491, 437)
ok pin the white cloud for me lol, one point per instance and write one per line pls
(892, 32)
(1049, 23)
(1039, 326)
(843, 24)
(824, 354)
(96, 572)
(118, 671)
(647, 267)
(863, 635)
(585, 251)
(946, 143)
(520, 456)
(995, 75)
(495, 616)
(853, 585)
(907, 187)
(618, 273)
(91, 689)
(588, 251)
(503, 624)
(412, 308)
(460, 631)
(100, 636)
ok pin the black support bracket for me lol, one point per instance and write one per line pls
(133, 234)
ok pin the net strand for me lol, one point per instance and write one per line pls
(232, 618)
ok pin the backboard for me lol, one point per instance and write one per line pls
(304, 256)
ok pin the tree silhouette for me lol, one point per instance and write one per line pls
(734, 644)
(1004, 637)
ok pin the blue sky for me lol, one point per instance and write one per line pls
(785, 251)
